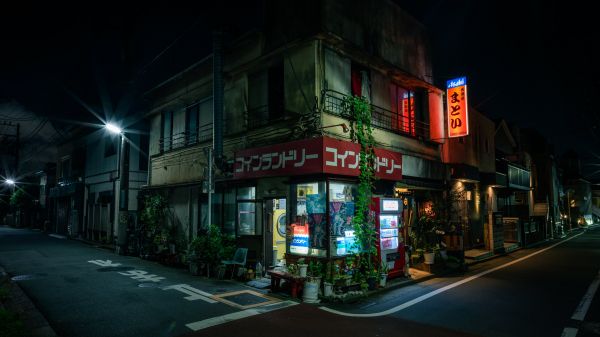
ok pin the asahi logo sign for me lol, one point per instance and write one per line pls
(458, 114)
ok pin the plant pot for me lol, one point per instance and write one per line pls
(382, 280)
(444, 254)
(429, 258)
(310, 293)
(327, 289)
(302, 268)
(372, 282)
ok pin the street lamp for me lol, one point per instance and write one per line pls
(113, 128)
(10, 182)
(123, 176)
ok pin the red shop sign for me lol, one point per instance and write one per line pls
(309, 156)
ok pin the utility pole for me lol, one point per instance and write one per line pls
(123, 197)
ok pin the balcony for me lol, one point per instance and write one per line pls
(187, 138)
(334, 102)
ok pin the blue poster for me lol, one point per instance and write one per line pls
(315, 203)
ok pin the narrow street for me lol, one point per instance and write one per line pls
(88, 291)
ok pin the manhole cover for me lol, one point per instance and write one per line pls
(123, 268)
(149, 285)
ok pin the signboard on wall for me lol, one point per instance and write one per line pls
(310, 156)
(458, 114)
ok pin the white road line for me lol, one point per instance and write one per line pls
(584, 305)
(569, 332)
(194, 294)
(446, 288)
(238, 315)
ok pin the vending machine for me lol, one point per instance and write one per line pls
(388, 224)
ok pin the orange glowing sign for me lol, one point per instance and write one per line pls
(458, 117)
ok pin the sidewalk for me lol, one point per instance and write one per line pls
(28, 320)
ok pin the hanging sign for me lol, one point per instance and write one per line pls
(458, 117)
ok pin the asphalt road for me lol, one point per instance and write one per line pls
(531, 292)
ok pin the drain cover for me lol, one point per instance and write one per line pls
(123, 268)
(149, 285)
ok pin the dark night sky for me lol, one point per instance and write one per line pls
(531, 62)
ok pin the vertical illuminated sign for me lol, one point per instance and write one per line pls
(458, 117)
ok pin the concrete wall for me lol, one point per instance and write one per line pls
(382, 29)
(472, 149)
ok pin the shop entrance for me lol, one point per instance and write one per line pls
(275, 223)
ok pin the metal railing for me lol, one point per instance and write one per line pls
(186, 138)
(335, 103)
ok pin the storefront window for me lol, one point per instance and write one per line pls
(247, 218)
(229, 211)
(246, 208)
(341, 212)
(307, 232)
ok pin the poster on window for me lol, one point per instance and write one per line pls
(315, 203)
(299, 243)
(317, 222)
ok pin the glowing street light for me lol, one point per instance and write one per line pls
(113, 128)
(10, 182)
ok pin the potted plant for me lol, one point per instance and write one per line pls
(372, 276)
(425, 236)
(383, 274)
(312, 283)
(193, 254)
(302, 267)
(328, 281)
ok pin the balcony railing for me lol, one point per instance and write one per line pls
(189, 138)
(334, 103)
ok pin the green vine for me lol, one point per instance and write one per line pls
(359, 109)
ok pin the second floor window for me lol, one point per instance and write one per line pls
(166, 131)
(191, 125)
(265, 96)
(403, 108)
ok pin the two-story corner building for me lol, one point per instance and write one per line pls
(515, 202)
(545, 183)
(471, 162)
(292, 167)
(102, 180)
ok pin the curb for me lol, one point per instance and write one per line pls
(19, 303)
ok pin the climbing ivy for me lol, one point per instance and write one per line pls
(359, 109)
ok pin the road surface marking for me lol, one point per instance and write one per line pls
(446, 288)
(57, 236)
(142, 275)
(195, 294)
(222, 298)
(238, 315)
(584, 305)
(569, 332)
(107, 263)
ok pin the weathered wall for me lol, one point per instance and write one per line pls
(382, 29)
